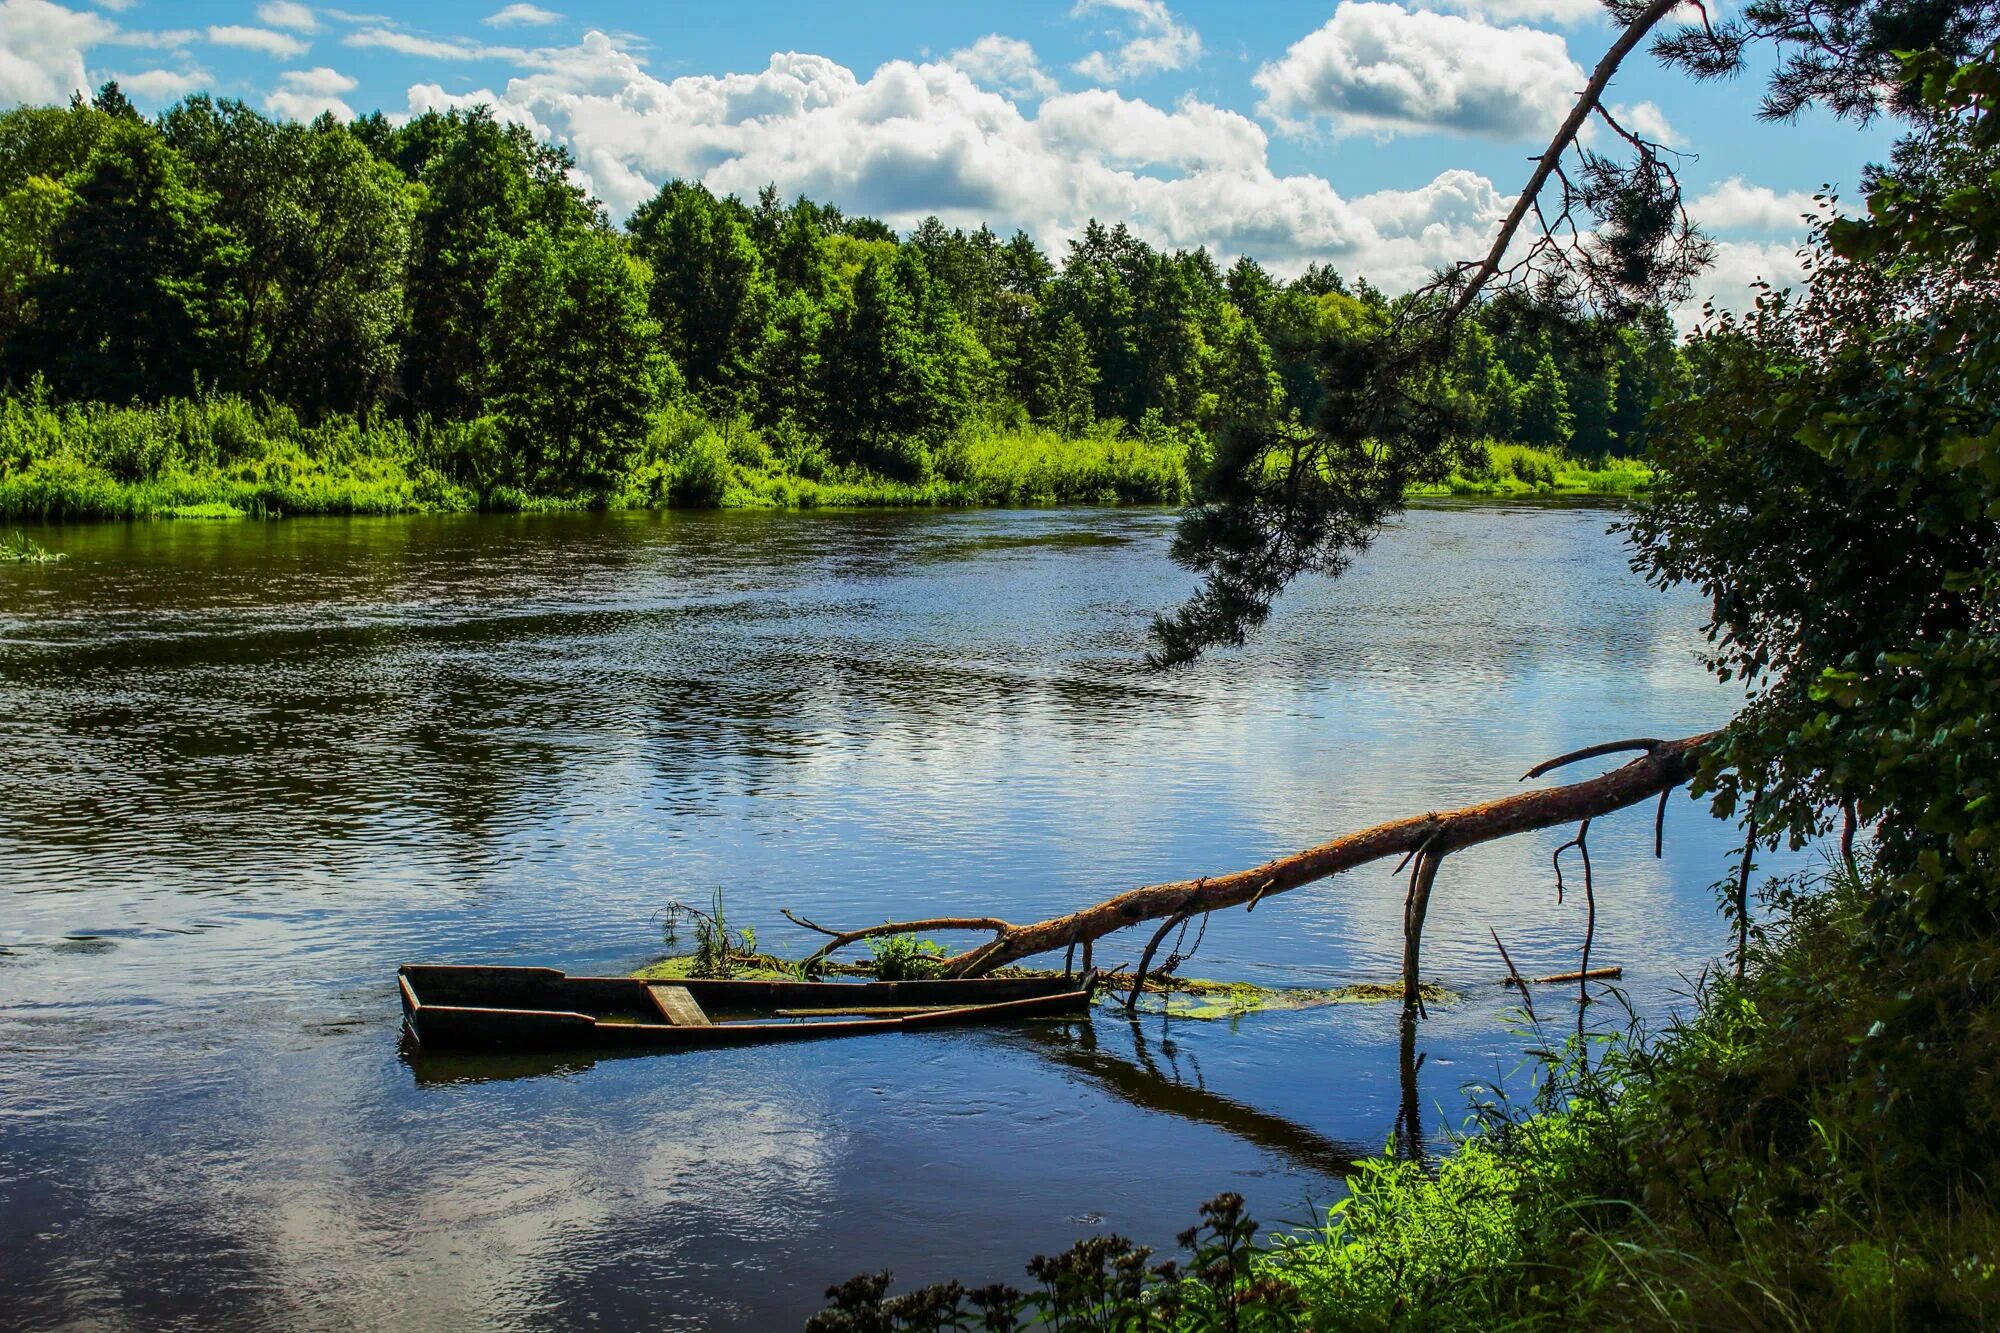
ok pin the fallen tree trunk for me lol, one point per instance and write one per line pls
(1662, 766)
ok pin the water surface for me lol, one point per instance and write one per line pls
(251, 767)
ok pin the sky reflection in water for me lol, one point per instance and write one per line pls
(252, 767)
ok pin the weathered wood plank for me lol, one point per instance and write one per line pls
(678, 1006)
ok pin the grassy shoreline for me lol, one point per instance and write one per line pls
(1737, 1168)
(225, 458)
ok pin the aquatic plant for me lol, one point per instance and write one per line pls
(906, 958)
(718, 949)
(26, 550)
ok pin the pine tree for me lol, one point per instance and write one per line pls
(1067, 380)
(1541, 408)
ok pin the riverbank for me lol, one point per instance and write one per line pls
(225, 458)
(1740, 1168)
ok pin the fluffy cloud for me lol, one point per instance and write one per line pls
(1736, 205)
(159, 39)
(1004, 64)
(522, 16)
(1730, 283)
(1382, 69)
(281, 45)
(287, 14)
(41, 50)
(1648, 122)
(1150, 39)
(1565, 13)
(164, 85)
(303, 94)
(915, 139)
(431, 48)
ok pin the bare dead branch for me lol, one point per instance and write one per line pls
(842, 938)
(1559, 978)
(1589, 935)
(1417, 906)
(1743, 885)
(1589, 752)
(1146, 958)
(1849, 821)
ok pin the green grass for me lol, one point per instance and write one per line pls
(223, 457)
(208, 458)
(1523, 470)
(1814, 1147)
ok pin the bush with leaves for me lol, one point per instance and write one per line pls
(1102, 1284)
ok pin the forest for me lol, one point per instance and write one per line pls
(216, 312)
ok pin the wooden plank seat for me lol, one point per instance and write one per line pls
(678, 1007)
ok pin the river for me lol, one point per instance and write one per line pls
(249, 768)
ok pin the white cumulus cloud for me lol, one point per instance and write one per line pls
(1149, 40)
(302, 94)
(42, 49)
(522, 16)
(1730, 282)
(281, 45)
(914, 139)
(1646, 120)
(1736, 205)
(430, 48)
(1004, 64)
(1383, 69)
(1565, 13)
(164, 85)
(287, 14)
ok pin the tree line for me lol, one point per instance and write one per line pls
(448, 269)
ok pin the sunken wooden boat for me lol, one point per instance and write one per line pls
(539, 1008)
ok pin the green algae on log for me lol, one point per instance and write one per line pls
(1196, 997)
(1179, 997)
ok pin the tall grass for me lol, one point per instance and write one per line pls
(17, 548)
(223, 456)
(1521, 469)
(1817, 1146)
(694, 460)
(204, 457)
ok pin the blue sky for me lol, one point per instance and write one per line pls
(1379, 136)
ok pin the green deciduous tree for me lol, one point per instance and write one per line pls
(571, 359)
(326, 231)
(141, 291)
(1832, 481)
(710, 293)
(29, 216)
(485, 186)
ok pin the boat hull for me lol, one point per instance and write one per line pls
(539, 1008)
